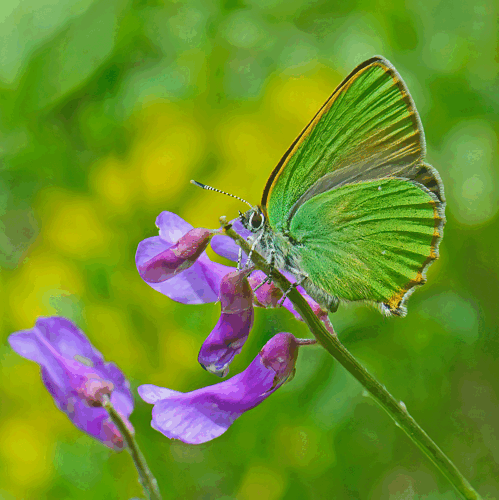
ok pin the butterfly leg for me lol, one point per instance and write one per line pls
(292, 287)
(272, 265)
(268, 278)
(254, 244)
(239, 258)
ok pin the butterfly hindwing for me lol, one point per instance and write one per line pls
(370, 240)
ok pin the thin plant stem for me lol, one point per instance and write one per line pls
(146, 479)
(395, 409)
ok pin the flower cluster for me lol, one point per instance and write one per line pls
(176, 264)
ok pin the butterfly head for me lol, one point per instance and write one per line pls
(253, 219)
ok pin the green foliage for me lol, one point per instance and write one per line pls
(107, 109)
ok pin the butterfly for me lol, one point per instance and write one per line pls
(352, 209)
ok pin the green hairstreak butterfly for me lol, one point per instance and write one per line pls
(352, 209)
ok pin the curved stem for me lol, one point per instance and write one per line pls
(146, 479)
(395, 409)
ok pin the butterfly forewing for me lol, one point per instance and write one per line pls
(368, 129)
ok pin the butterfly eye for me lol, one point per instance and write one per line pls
(256, 221)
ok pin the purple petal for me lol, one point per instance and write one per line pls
(225, 341)
(171, 226)
(61, 334)
(36, 345)
(199, 416)
(152, 393)
(229, 335)
(226, 246)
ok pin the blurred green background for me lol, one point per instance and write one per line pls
(108, 108)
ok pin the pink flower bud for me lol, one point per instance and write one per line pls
(280, 355)
(178, 257)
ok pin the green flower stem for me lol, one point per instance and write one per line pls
(146, 479)
(395, 409)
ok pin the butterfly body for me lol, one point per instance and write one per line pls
(352, 210)
(282, 250)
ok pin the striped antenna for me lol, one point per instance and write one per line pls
(209, 188)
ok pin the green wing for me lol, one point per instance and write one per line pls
(370, 240)
(368, 129)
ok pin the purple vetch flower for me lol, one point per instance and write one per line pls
(204, 414)
(77, 377)
(233, 327)
(175, 263)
